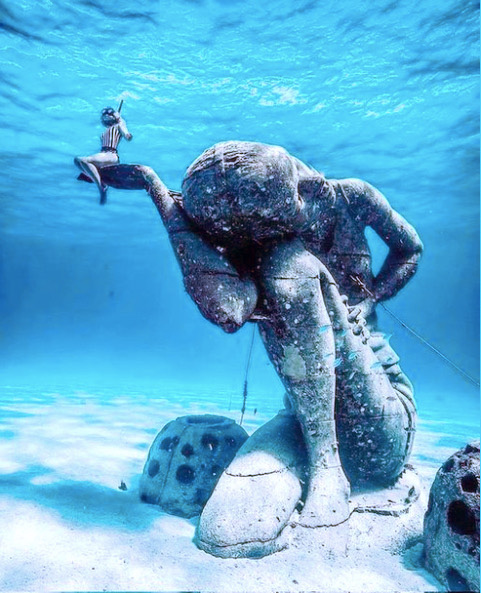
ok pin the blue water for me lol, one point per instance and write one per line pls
(92, 297)
(99, 344)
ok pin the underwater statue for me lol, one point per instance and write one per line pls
(262, 237)
(108, 155)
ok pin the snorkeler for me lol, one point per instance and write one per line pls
(108, 155)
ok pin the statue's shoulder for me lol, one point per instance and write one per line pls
(359, 197)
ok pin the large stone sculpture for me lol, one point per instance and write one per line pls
(262, 237)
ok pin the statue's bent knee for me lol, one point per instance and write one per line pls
(288, 261)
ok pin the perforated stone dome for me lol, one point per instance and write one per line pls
(187, 459)
(451, 523)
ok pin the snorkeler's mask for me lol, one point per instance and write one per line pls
(109, 116)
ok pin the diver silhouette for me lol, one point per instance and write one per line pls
(108, 155)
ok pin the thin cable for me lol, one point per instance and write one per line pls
(464, 374)
(244, 400)
(426, 343)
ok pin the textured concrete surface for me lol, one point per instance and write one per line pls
(266, 488)
(257, 494)
(451, 524)
(186, 460)
(250, 232)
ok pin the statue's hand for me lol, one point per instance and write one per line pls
(357, 316)
(362, 310)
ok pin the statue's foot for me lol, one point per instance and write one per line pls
(257, 494)
(327, 499)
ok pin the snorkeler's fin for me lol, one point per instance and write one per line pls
(103, 194)
(83, 177)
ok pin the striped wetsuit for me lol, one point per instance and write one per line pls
(110, 139)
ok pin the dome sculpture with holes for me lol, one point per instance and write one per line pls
(451, 524)
(186, 460)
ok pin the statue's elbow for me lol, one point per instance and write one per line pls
(229, 321)
(224, 300)
(418, 248)
(229, 314)
(411, 250)
(147, 171)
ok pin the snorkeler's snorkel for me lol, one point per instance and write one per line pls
(120, 106)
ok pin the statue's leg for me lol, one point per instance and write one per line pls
(375, 410)
(300, 342)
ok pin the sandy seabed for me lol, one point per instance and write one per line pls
(66, 526)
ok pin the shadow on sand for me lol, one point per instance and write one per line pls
(82, 503)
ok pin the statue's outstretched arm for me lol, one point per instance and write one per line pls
(211, 280)
(369, 207)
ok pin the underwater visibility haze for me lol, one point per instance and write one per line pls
(388, 94)
(91, 297)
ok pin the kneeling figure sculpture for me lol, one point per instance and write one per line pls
(262, 237)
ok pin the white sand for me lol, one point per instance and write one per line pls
(65, 525)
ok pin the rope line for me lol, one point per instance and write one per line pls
(244, 394)
(453, 365)
(433, 348)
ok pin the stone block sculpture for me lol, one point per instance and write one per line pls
(187, 459)
(262, 237)
(451, 524)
